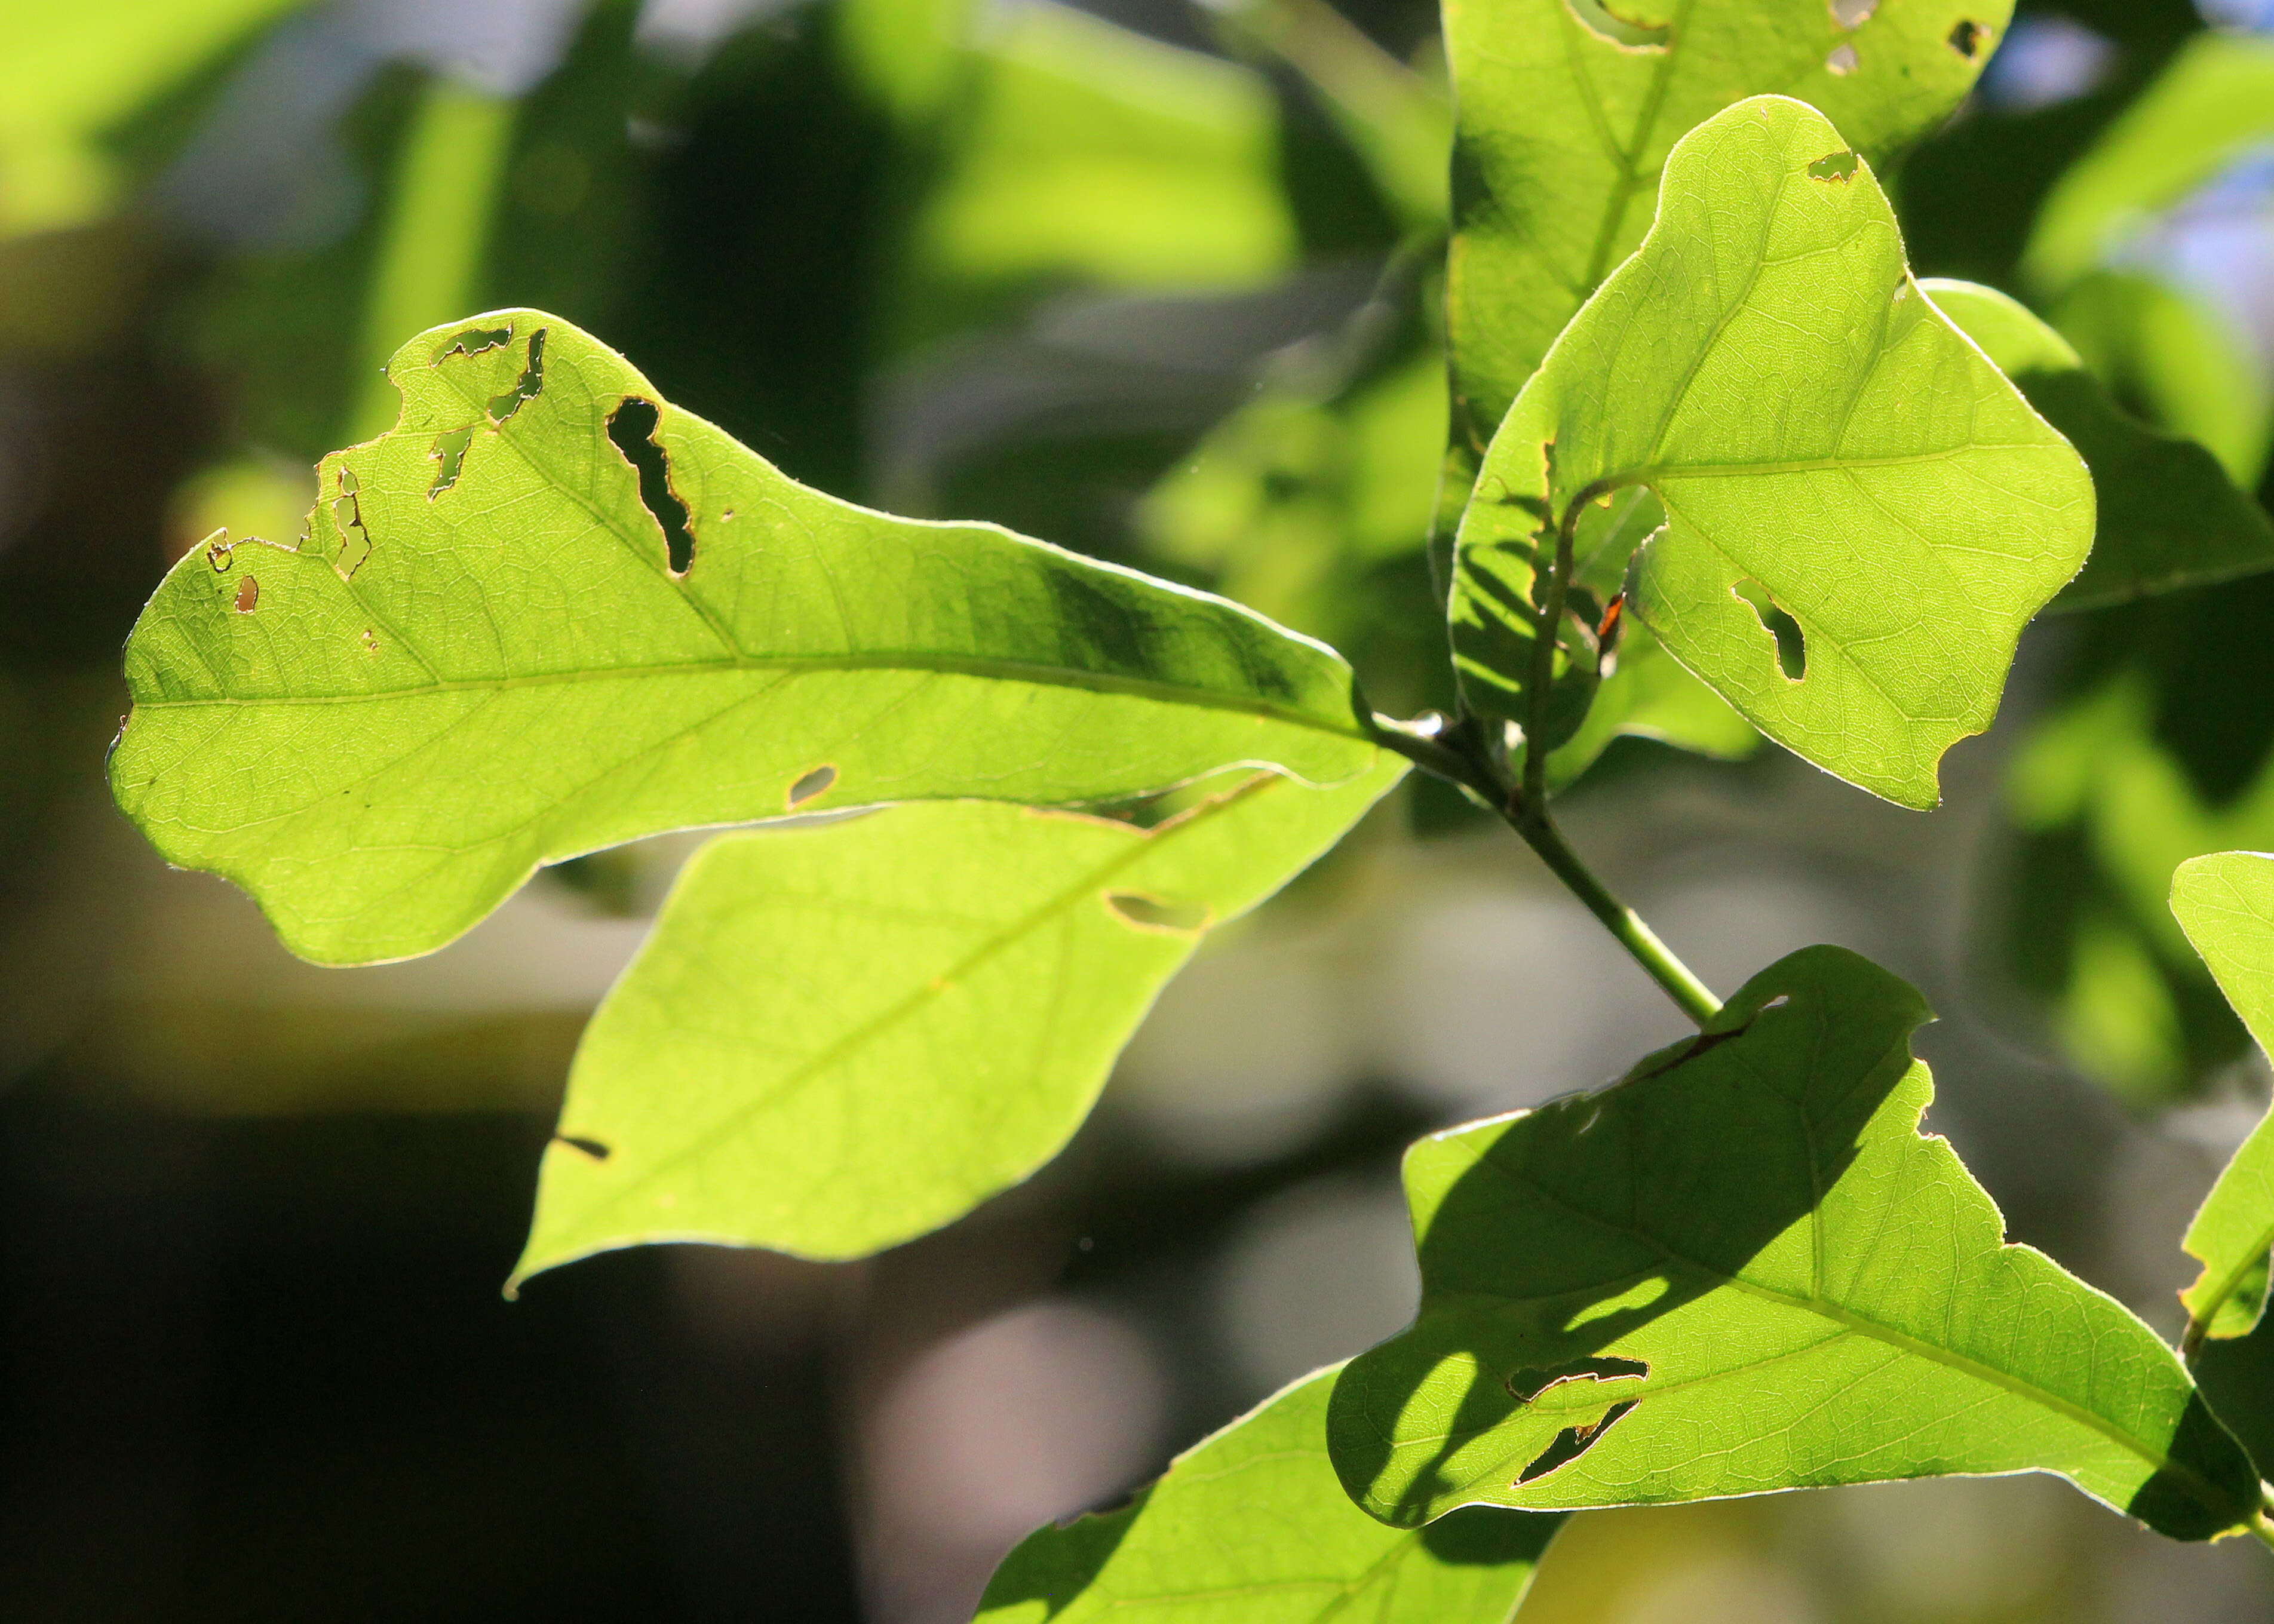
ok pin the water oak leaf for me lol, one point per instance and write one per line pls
(2226, 904)
(1745, 1269)
(1566, 110)
(2168, 515)
(842, 1036)
(1861, 512)
(1248, 1526)
(549, 611)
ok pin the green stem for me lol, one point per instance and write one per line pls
(1452, 751)
(2260, 1530)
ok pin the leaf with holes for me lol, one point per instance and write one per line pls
(1861, 512)
(1567, 111)
(838, 1037)
(548, 612)
(1250, 1527)
(2168, 515)
(2226, 904)
(1742, 1269)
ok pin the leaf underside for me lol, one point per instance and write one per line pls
(840, 1036)
(2226, 904)
(1862, 513)
(2168, 516)
(1250, 1527)
(1744, 1269)
(548, 612)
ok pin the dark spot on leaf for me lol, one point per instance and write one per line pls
(1791, 641)
(1571, 1443)
(1607, 24)
(474, 341)
(812, 784)
(590, 1147)
(1966, 39)
(450, 451)
(1843, 61)
(1838, 167)
(525, 387)
(219, 553)
(631, 429)
(1157, 913)
(248, 595)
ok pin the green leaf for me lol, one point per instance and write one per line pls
(2168, 515)
(2212, 104)
(1862, 512)
(1566, 111)
(1744, 1269)
(840, 1037)
(2226, 904)
(484, 658)
(1250, 1527)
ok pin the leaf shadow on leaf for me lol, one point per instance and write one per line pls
(1703, 1089)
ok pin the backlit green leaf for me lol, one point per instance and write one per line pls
(502, 644)
(1250, 1527)
(1862, 513)
(2168, 515)
(1745, 1269)
(2226, 904)
(1566, 109)
(842, 1036)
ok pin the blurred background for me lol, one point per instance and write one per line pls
(1148, 278)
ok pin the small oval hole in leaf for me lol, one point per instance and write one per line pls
(812, 784)
(1843, 61)
(1966, 38)
(1791, 641)
(248, 595)
(1157, 913)
(1853, 13)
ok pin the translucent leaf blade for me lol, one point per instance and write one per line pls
(503, 643)
(1862, 512)
(2167, 515)
(1745, 1269)
(2226, 904)
(841, 1036)
(1250, 1527)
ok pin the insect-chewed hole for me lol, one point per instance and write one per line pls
(526, 388)
(1791, 641)
(449, 455)
(1146, 913)
(590, 1147)
(1571, 1443)
(1527, 1385)
(1844, 60)
(1836, 167)
(811, 784)
(1607, 25)
(631, 429)
(1853, 13)
(1968, 37)
(248, 595)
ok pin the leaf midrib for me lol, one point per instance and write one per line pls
(937, 664)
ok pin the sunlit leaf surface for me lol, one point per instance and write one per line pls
(1862, 513)
(548, 612)
(1250, 1527)
(2226, 904)
(2168, 515)
(1566, 109)
(840, 1036)
(1744, 1269)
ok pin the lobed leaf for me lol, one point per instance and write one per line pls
(2167, 515)
(1745, 1269)
(1861, 512)
(2226, 904)
(1567, 109)
(1250, 1527)
(548, 612)
(838, 1037)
